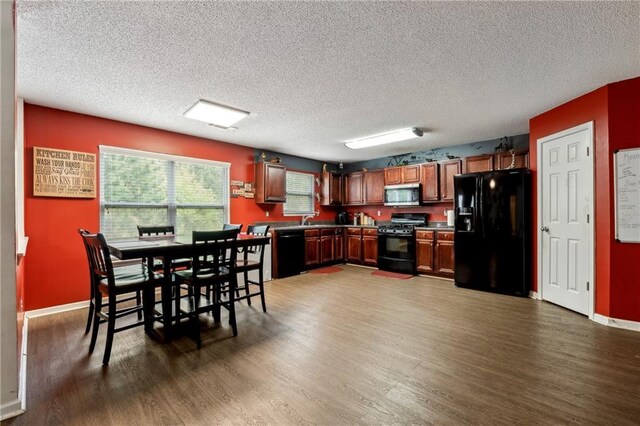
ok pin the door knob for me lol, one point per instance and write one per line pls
(544, 229)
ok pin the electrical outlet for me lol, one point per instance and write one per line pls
(266, 213)
(378, 212)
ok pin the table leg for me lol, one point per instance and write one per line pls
(167, 283)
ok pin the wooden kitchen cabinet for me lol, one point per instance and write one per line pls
(444, 258)
(339, 244)
(354, 245)
(312, 247)
(370, 247)
(477, 163)
(430, 180)
(402, 174)
(424, 251)
(327, 245)
(271, 183)
(503, 160)
(374, 187)
(353, 185)
(332, 189)
(448, 169)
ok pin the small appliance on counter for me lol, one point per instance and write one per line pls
(342, 218)
(451, 217)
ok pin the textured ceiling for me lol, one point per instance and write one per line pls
(314, 74)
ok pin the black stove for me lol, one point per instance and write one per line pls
(403, 223)
(396, 242)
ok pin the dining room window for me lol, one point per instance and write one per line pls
(150, 189)
(299, 194)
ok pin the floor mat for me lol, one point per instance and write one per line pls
(326, 270)
(391, 275)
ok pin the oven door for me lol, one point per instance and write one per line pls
(396, 253)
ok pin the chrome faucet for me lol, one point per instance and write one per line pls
(303, 220)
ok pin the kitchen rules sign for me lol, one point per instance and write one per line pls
(627, 193)
(60, 173)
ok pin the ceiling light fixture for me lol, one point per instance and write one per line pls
(217, 115)
(384, 138)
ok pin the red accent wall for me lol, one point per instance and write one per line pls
(55, 269)
(615, 111)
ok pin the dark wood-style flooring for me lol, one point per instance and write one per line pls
(345, 348)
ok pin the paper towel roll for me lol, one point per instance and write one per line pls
(450, 217)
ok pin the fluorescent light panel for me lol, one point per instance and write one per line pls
(384, 138)
(218, 115)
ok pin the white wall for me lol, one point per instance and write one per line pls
(9, 402)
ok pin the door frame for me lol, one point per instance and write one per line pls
(589, 126)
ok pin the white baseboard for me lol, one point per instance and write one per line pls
(616, 322)
(55, 309)
(534, 295)
(11, 409)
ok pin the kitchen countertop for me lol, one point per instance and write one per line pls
(435, 226)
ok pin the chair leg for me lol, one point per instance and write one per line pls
(261, 284)
(233, 284)
(196, 315)
(139, 303)
(246, 287)
(111, 326)
(217, 302)
(96, 322)
(90, 316)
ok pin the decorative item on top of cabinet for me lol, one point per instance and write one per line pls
(504, 160)
(374, 187)
(271, 183)
(402, 174)
(353, 185)
(448, 169)
(477, 163)
(430, 180)
(332, 189)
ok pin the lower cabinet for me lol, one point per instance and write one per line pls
(339, 244)
(354, 245)
(434, 252)
(311, 247)
(370, 247)
(327, 245)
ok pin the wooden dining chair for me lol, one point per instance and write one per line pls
(229, 226)
(244, 265)
(108, 284)
(125, 270)
(213, 270)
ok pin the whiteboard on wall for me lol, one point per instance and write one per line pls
(626, 163)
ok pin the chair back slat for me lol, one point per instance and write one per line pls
(99, 257)
(212, 251)
(146, 231)
(230, 226)
(257, 230)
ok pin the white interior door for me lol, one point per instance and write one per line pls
(565, 193)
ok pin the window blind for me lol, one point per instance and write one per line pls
(149, 189)
(299, 194)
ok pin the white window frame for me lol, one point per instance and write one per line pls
(172, 206)
(312, 195)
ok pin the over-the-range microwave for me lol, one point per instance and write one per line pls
(402, 195)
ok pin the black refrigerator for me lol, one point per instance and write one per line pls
(492, 231)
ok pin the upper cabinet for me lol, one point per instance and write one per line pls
(448, 169)
(402, 174)
(477, 163)
(374, 187)
(332, 189)
(353, 189)
(271, 183)
(430, 181)
(509, 160)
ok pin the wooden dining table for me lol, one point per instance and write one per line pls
(169, 248)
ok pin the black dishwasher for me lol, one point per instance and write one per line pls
(290, 247)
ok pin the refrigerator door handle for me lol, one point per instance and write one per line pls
(479, 207)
